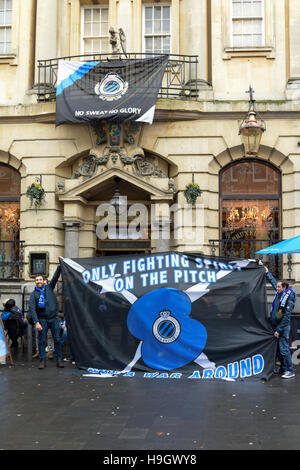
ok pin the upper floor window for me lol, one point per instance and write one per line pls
(247, 23)
(94, 29)
(157, 29)
(5, 26)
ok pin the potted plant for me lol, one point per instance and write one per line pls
(36, 194)
(192, 192)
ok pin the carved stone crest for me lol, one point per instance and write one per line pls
(87, 168)
(116, 144)
(146, 167)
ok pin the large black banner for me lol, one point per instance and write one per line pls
(168, 315)
(117, 91)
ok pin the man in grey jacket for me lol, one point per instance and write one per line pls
(280, 319)
(43, 311)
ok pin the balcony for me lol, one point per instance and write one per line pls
(11, 260)
(180, 79)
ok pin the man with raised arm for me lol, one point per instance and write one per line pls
(43, 310)
(280, 319)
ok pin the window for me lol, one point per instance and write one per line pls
(9, 202)
(5, 26)
(10, 187)
(250, 205)
(157, 29)
(94, 30)
(247, 23)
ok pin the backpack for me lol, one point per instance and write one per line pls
(16, 320)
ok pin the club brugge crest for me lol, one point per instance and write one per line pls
(112, 87)
(166, 328)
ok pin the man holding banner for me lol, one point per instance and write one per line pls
(43, 310)
(280, 319)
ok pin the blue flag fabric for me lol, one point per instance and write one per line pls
(3, 346)
(161, 319)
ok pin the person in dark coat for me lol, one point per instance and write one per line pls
(13, 321)
(43, 311)
(280, 319)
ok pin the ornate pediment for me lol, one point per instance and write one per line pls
(116, 146)
(162, 189)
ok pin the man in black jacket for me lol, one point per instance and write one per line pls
(280, 319)
(43, 310)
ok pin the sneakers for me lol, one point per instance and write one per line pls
(288, 375)
(60, 364)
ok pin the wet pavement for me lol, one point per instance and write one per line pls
(60, 409)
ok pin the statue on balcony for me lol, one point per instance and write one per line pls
(117, 41)
(114, 42)
(122, 37)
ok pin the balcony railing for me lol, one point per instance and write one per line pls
(180, 79)
(11, 260)
(279, 265)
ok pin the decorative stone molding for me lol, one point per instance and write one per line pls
(116, 145)
(146, 167)
(89, 166)
(61, 187)
(158, 188)
(172, 187)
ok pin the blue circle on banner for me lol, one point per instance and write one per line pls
(161, 319)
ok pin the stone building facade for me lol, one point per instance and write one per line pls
(218, 48)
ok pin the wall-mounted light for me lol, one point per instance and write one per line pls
(117, 201)
(251, 129)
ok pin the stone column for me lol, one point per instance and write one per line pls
(160, 226)
(45, 36)
(71, 238)
(124, 18)
(163, 239)
(63, 26)
(194, 39)
(293, 85)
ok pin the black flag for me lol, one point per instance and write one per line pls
(169, 313)
(118, 90)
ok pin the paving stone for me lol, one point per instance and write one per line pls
(56, 409)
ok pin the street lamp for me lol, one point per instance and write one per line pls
(117, 201)
(250, 130)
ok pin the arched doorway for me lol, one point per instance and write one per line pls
(250, 207)
(10, 186)
(87, 218)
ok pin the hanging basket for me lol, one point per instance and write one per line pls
(192, 192)
(36, 194)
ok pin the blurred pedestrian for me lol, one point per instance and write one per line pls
(13, 321)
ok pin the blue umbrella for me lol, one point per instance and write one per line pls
(287, 246)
